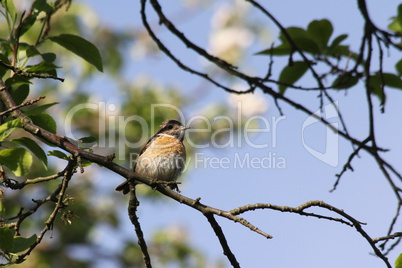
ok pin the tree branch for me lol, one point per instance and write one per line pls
(219, 233)
(132, 213)
(27, 103)
(394, 235)
(298, 210)
(15, 185)
(348, 165)
(21, 72)
(59, 196)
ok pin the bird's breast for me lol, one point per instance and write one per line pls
(164, 159)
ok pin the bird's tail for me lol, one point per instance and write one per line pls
(123, 187)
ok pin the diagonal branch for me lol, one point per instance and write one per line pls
(59, 196)
(163, 48)
(19, 71)
(132, 213)
(348, 165)
(300, 210)
(106, 162)
(219, 233)
(393, 236)
(27, 103)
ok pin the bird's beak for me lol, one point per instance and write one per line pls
(185, 128)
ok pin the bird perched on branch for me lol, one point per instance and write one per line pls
(163, 157)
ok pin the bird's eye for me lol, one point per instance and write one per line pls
(170, 126)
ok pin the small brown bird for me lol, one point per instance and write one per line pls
(163, 156)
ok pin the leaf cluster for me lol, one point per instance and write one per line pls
(317, 40)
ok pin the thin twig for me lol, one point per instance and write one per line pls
(225, 246)
(19, 71)
(348, 165)
(388, 237)
(19, 185)
(298, 210)
(132, 213)
(59, 196)
(27, 103)
(163, 48)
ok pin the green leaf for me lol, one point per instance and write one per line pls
(392, 80)
(335, 45)
(37, 7)
(5, 60)
(291, 73)
(10, 8)
(320, 31)
(32, 51)
(378, 81)
(10, 124)
(86, 142)
(281, 50)
(398, 261)
(19, 88)
(294, 33)
(34, 148)
(40, 109)
(43, 67)
(48, 57)
(7, 128)
(89, 139)
(396, 24)
(6, 49)
(81, 48)
(343, 51)
(307, 45)
(18, 160)
(20, 92)
(28, 22)
(386, 79)
(338, 40)
(375, 84)
(6, 239)
(399, 16)
(58, 154)
(42, 5)
(302, 39)
(345, 81)
(44, 121)
(23, 243)
(398, 67)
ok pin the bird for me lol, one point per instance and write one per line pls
(163, 157)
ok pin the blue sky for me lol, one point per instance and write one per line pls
(298, 241)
